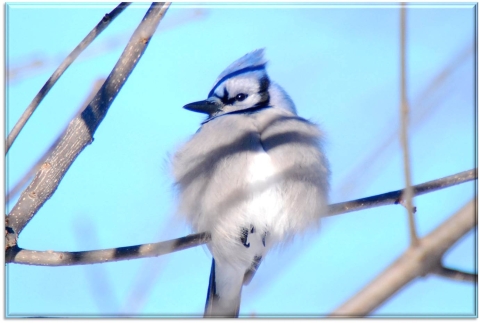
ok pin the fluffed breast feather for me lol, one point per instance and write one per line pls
(213, 173)
(295, 146)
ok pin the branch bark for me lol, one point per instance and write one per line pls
(33, 170)
(81, 129)
(106, 20)
(54, 258)
(415, 262)
(455, 274)
(405, 118)
(394, 196)
(51, 258)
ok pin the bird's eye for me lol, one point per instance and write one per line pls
(241, 96)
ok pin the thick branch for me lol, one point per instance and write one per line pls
(416, 261)
(54, 258)
(32, 257)
(81, 129)
(106, 20)
(27, 176)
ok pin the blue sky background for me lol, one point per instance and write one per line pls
(340, 65)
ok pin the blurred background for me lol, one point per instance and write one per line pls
(341, 66)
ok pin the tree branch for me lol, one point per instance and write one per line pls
(416, 261)
(106, 20)
(81, 129)
(424, 105)
(455, 274)
(394, 197)
(54, 258)
(405, 118)
(28, 175)
(51, 258)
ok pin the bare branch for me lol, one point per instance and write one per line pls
(28, 175)
(455, 274)
(394, 196)
(51, 258)
(416, 261)
(106, 20)
(423, 108)
(404, 116)
(81, 129)
(54, 258)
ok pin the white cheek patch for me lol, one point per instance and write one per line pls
(250, 101)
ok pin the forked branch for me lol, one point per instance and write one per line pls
(417, 261)
(455, 274)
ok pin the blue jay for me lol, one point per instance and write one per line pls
(254, 175)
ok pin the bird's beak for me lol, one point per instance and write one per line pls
(207, 106)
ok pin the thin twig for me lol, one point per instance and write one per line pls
(28, 175)
(81, 129)
(415, 262)
(455, 274)
(394, 196)
(422, 109)
(106, 20)
(51, 258)
(408, 193)
(105, 46)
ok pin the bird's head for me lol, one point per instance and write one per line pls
(242, 85)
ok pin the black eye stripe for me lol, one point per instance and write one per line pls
(225, 100)
(225, 94)
(264, 84)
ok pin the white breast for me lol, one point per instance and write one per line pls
(261, 167)
(265, 203)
